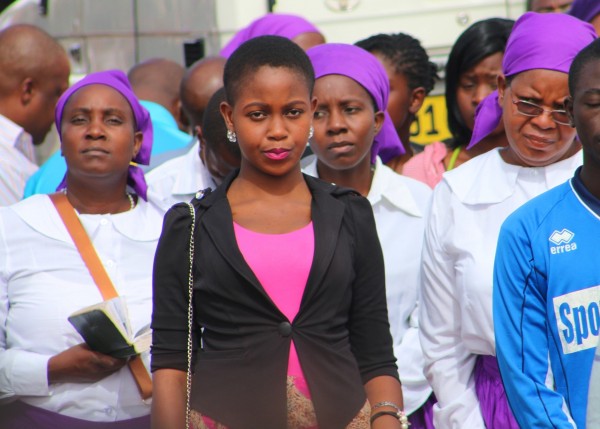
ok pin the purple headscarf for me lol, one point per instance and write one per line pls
(117, 80)
(272, 24)
(364, 68)
(586, 10)
(538, 41)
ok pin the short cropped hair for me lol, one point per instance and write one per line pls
(588, 54)
(480, 40)
(406, 55)
(270, 51)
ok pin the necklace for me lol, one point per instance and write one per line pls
(131, 201)
(453, 158)
(129, 197)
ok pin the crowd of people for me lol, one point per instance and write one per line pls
(301, 263)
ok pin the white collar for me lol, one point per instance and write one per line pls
(488, 179)
(311, 167)
(143, 223)
(193, 174)
(386, 184)
(389, 185)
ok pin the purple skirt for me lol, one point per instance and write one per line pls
(423, 417)
(492, 397)
(19, 415)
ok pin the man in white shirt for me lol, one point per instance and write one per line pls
(34, 72)
(208, 161)
(198, 85)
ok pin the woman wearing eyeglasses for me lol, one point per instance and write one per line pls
(470, 204)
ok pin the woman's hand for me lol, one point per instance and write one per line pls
(80, 364)
(380, 390)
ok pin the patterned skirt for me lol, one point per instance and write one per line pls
(300, 413)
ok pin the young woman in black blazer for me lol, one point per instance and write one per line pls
(242, 338)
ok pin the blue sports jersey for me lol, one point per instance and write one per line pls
(546, 305)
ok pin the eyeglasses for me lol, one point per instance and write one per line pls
(528, 108)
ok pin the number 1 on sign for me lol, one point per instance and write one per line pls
(431, 124)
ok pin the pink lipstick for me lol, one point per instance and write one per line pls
(277, 154)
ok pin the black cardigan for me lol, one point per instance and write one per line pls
(341, 332)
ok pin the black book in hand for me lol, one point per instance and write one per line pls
(105, 329)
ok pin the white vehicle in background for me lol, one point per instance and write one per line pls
(103, 34)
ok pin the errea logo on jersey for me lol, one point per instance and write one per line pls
(564, 236)
(563, 241)
(578, 319)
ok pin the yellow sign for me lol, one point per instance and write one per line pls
(431, 124)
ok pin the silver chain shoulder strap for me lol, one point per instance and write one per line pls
(190, 318)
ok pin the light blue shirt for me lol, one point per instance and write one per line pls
(167, 137)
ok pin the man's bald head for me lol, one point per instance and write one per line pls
(199, 83)
(158, 80)
(34, 72)
(26, 51)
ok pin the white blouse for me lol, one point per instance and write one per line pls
(178, 180)
(43, 280)
(469, 205)
(400, 205)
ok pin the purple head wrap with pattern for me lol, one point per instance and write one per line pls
(538, 41)
(117, 80)
(271, 24)
(364, 68)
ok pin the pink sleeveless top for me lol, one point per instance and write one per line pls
(281, 263)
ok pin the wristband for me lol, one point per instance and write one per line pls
(404, 424)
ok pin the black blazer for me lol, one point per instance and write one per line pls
(341, 332)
